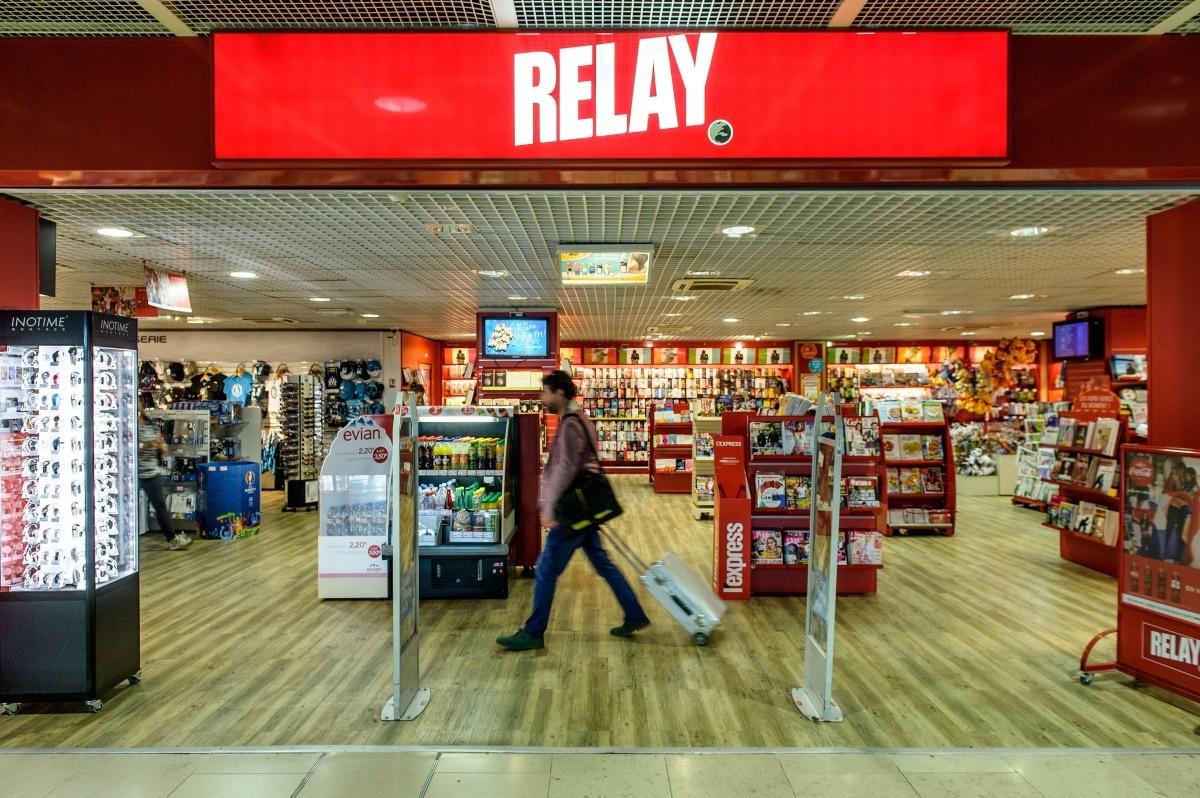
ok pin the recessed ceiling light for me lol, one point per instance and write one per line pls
(1037, 333)
(1022, 296)
(966, 332)
(516, 297)
(491, 272)
(1029, 232)
(681, 298)
(197, 321)
(913, 273)
(243, 275)
(370, 315)
(115, 232)
(318, 299)
(860, 319)
(783, 324)
(738, 230)
(954, 312)
(853, 296)
(1130, 271)
(672, 315)
(903, 324)
(704, 273)
(730, 320)
(863, 332)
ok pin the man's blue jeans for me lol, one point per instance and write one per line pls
(560, 545)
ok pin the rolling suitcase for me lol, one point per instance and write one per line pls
(679, 590)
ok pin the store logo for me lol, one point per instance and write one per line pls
(731, 444)
(362, 433)
(1141, 471)
(112, 326)
(540, 117)
(152, 339)
(39, 323)
(735, 539)
(1175, 648)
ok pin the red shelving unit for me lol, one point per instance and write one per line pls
(792, 579)
(678, 481)
(1090, 551)
(922, 500)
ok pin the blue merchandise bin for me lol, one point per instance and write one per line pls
(232, 500)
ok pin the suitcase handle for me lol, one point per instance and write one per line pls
(622, 548)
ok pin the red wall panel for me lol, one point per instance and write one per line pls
(415, 350)
(18, 256)
(1173, 263)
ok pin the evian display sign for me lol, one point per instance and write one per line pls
(622, 96)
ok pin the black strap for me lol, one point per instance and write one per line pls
(587, 436)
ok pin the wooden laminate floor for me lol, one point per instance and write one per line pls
(971, 641)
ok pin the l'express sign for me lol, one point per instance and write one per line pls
(622, 96)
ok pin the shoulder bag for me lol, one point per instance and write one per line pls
(590, 500)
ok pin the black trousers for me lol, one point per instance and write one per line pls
(156, 492)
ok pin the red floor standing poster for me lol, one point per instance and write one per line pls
(1158, 620)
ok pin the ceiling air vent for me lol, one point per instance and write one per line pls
(965, 328)
(669, 329)
(712, 284)
(268, 320)
(453, 229)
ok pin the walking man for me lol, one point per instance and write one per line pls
(573, 451)
(152, 475)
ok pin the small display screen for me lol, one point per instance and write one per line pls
(507, 337)
(1072, 339)
(1129, 367)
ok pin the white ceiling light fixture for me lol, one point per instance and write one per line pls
(704, 273)
(1022, 296)
(197, 321)
(854, 297)
(913, 273)
(115, 232)
(672, 315)
(516, 298)
(731, 320)
(863, 332)
(738, 230)
(812, 313)
(954, 312)
(682, 298)
(318, 299)
(1133, 270)
(244, 275)
(903, 324)
(860, 319)
(370, 315)
(491, 272)
(1037, 334)
(783, 324)
(967, 332)
(1032, 231)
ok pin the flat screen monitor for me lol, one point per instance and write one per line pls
(516, 337)
(1078, 339)
(1128, 368)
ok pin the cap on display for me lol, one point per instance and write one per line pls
(374, 390)
(348, 369)
(374, 368)
(347, 391)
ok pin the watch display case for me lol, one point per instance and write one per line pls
(69, 606)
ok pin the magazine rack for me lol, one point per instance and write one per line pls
(926, 510)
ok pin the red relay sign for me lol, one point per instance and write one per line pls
(621, 96)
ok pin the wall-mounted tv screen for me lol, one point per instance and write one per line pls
(1131, 368)
(1078, 339)
(515, 337)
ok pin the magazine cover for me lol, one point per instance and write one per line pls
(766, 438)
(770, 490)
(933, 480)
(860, 492)
(911, 410)
(768, 547)
(893, 480)
(795, 436)
(891, 446)
(799, 495)
(910, 480)
(888, 411)
(911, 448)
(795, 547)
(932, 410)
(866, 547)
(932, 449)
(862, 436)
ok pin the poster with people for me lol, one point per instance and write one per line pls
(1161, 524)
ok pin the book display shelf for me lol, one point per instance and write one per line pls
(780, 481)
(918, 468)
(671, 447)
(1087, 475)
(458, 374)
(1034, 464)
(703, 474)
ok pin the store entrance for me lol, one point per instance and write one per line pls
(930, 312)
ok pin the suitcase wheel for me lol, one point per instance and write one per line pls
(700, 639)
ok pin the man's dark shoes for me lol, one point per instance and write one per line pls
(629, 627)
(521, 641)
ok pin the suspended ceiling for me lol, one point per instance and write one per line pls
(374, 252)
(189, 17)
